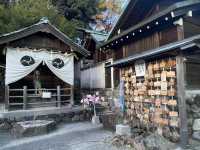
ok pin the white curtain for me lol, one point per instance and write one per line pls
(16, 71)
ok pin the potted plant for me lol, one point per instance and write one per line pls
(92, 100)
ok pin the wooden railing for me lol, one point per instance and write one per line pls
(24, 97)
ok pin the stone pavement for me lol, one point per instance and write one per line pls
(74, 136)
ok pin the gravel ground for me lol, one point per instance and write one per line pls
(75, 136)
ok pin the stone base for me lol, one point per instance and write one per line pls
(196, 125)
(109, 120)
(32, 128)
(196, 135)
(95, 120)
(5, 125)
(123, 130)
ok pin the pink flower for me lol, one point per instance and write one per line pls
(103, 99)
(88, 96)
(97, 100)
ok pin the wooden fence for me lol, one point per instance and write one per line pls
(24, 98)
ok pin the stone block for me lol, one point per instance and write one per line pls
(66, 119)
(32, 128)
(196, 135)
(5, 126)
(123, 130)
(109, 120)
(196, 125)
(76, 118)
(157, 142)
(82, 117)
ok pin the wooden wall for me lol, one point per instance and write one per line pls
(94, 77)
(191, 29)
(152, 41)
(193, 72)
(45, 41)
(102, 55)
(41, 40)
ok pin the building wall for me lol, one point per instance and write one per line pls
(41, 40)
(154, 40)
(93, 77)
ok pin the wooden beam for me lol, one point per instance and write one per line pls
(72, 96)
(7, 97)
(182, 100)
(25, 97)
(58, 96)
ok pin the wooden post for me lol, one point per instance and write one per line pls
(180, 69)
(25, 97)
(58, 96)
(7, 105)
(72, 96)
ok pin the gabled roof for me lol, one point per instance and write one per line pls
(134, 9)
(179, 9)
(184, 44)
(43, 26)
(97, 36)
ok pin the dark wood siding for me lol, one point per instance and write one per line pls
(144, 44)
(118, 53)
(152, 41)
(193, 72)
(191, 29)
(41, 40)
(169, 35)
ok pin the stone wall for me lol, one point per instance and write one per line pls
(193, 112)
(82, 115)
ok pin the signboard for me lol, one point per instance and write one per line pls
(46, 94)
(140, 68)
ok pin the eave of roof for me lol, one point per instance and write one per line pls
(42, 26)
(156, 51)
(173, 8)
(98, 37)
(91, 31)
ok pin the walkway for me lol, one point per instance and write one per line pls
(75, 136)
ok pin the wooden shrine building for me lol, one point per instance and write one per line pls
(156, 48)
(38, 67)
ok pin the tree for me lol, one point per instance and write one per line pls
(77, 9)
(27, 12)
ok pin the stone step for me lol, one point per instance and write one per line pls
(32, 128)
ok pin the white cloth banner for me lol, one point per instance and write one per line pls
(62, 66)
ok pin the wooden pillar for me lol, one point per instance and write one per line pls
(25, 97)
(72, 96)
(182, 100)
(7, 103)
(58, 96)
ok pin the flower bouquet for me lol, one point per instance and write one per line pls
(93, 100)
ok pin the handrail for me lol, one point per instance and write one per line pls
(51, 102)
(25, 95)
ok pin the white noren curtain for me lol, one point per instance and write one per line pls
(16, 71)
